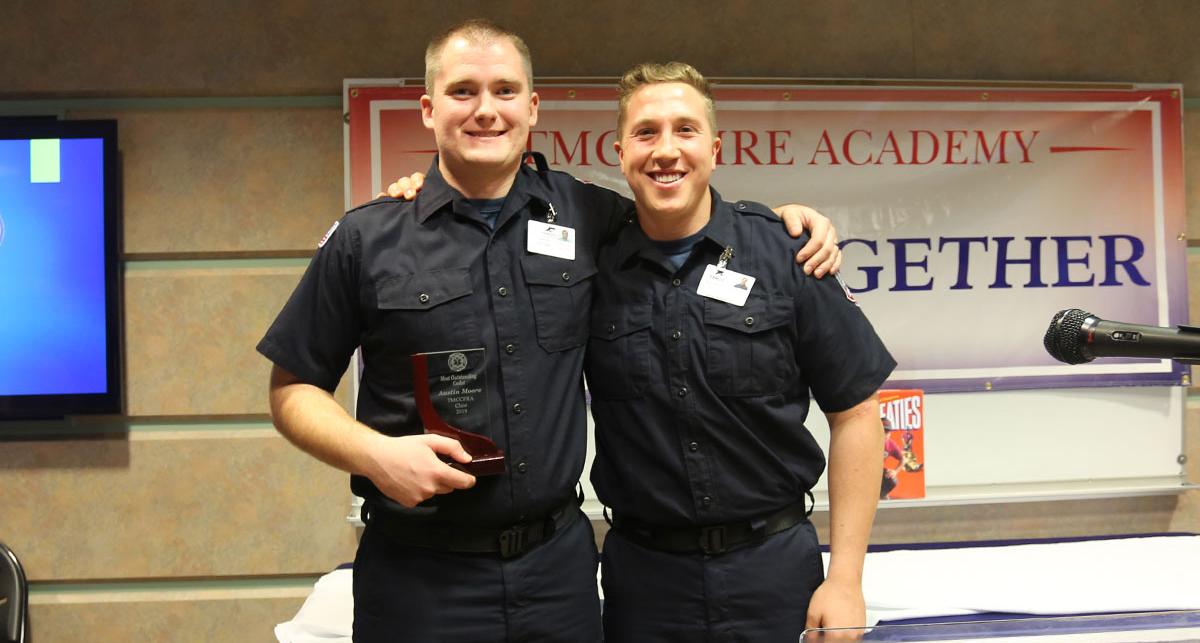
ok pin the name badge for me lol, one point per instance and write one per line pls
(550, 239)
(725, 285)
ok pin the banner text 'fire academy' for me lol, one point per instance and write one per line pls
(776, 147)
(1036, 262)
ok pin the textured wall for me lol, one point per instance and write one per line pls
(223, 48)
(188, 518)
(249, 181)
(184, 502)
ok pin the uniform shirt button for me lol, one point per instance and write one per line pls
(706, 501)
(517, 408)
(676, 282)
(522, 467)
(510, 349)
(612, 328)
(676, 334)
(423, 298)
(749, 321)
(566, 276)
(741, 206)
(693, 447)
(502, 291)
(683, 392)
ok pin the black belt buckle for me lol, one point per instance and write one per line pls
(512, 541)
(712, 539)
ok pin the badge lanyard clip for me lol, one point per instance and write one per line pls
(726, 255)
(722, 284)
(549, 238)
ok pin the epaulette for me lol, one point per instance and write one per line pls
(383, 200)
(754, 207)
(377, 201)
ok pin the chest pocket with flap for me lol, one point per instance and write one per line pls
(561, 291)
(427, 311)
(619, 350)
(749, 348)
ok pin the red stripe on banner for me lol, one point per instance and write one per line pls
(1057, 149)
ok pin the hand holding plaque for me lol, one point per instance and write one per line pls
(452, 399)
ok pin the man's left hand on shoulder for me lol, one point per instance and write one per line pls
(821, 255)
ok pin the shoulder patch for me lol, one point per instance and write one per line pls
(845, 288)
(328, 234)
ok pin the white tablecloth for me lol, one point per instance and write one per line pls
(1118, 575)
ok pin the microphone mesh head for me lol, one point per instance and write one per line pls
(1063, 337)
(1050, 339)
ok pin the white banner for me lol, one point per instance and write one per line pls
(968, 216)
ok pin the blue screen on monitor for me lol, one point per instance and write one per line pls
(53, 319)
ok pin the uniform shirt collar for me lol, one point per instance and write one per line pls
(436, 194)
(719, 233)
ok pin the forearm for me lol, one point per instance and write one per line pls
(310, 418)
(856, 440)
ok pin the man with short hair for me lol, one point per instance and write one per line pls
(704, 348)
(445, 555)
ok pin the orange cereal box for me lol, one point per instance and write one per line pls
(903, 415)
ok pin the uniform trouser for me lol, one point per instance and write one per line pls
(755, 593)
(413, 594)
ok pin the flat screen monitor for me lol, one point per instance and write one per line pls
(60, 303)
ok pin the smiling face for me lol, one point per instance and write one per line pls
(480, 109)
(668, 150)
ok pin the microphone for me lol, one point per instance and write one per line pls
(1076, 336)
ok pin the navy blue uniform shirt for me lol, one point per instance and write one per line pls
(700, 404)
(398, 277)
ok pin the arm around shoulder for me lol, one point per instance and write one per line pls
(821, 255)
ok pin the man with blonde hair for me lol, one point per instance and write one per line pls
(704, 352)
(455, 275)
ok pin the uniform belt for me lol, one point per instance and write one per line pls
(508, 542)
(710, 539)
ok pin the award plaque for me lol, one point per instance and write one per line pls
(452, 398)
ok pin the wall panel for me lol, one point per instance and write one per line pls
(191, 333)
(1072, 40)
(174, 503)
(307, 46)
(162, 619)
(228, 180)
